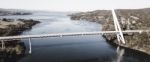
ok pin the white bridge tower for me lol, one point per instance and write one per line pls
(120, 36)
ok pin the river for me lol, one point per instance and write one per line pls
(89, 48)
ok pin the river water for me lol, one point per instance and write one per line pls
(89, 48)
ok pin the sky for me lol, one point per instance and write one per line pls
(73, 5)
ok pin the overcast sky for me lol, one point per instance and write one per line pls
(72, 5)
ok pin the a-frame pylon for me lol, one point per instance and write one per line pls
(120, 36)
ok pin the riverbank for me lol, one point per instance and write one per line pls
(10, 27)
(129, 19)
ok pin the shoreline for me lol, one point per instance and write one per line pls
(129, 19)
(10, 27)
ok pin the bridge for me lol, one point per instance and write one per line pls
(70, 34)
(117, 31)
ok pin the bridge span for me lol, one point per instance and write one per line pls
(2, 39)
(69, 34)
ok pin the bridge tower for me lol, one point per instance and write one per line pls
(120, 36)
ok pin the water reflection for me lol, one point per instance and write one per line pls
(120, 53)
(129, 55)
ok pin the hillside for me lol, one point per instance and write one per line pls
(129, 19)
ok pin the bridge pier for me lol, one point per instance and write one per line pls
(30, 46)
(2, 45)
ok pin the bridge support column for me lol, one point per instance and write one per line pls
(30, 46)
(2, 45)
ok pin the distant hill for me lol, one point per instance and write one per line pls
(4, 12)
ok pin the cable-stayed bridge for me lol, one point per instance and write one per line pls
(117, 31)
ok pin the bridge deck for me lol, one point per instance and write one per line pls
(69, 34)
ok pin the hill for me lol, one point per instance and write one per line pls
(129, 19)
